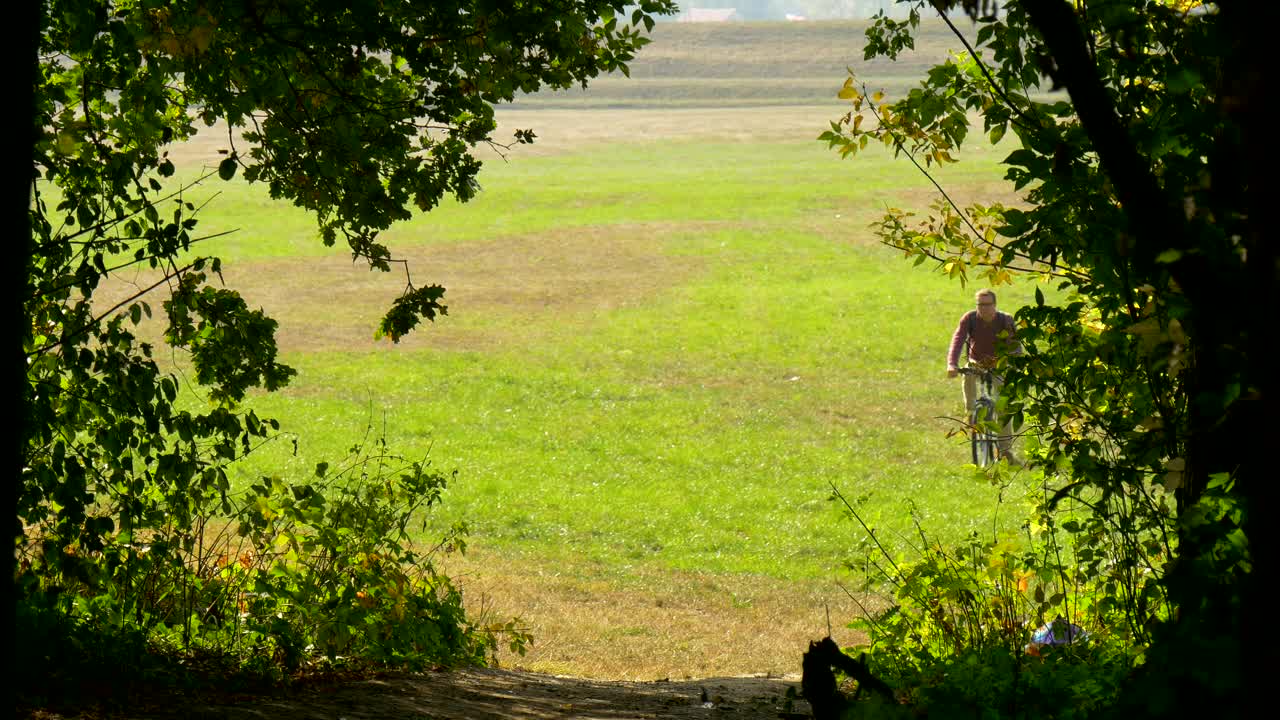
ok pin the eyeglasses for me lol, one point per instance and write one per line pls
(983, 304)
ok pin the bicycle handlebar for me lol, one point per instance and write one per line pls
(983, 376)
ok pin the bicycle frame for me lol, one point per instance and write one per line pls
(983, 420)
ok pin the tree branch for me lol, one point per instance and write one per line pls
(1153, 220)
(1031, 125)
(85, 328)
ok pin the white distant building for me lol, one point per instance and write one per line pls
(795, 18)
(711, 15)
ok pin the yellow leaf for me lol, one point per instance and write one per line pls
(1150, 326)
(67, 143)
(847, 93)
(202, 37)
(877, 97)
(1173, 478)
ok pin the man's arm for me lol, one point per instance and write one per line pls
(957, 342)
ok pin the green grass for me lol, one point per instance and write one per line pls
(663, 348)
(670, 332)
(627, 183)
(696, 427)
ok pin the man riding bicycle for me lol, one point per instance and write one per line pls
(986, 332)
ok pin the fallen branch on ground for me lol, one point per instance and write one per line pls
(818, 681)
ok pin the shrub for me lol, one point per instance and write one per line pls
(282, 577)
(954, 636)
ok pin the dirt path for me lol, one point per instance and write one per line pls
(508, 694)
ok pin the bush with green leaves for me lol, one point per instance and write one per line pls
(1067, 683)
(327, 568)
(954, 634)
(283, 576)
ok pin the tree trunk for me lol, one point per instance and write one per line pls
(1197, 661)
(24, 19)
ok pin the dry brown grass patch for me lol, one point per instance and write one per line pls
(652, 624)
(526, 283)
(562, 131)
(510, 289)
(566, 131)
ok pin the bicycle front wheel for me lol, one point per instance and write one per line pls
(982, 440)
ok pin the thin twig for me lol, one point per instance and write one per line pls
(871, 533)
(897, 142)
(92, 323)
(865, 613)
(987, 74)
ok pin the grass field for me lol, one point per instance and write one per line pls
(670, 332)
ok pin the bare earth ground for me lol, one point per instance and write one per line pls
(494, 693)
(483, 694)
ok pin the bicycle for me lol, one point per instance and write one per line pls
(983, 425)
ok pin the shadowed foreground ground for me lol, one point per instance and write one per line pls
(498, 694)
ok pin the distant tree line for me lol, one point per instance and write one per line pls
(809, 9)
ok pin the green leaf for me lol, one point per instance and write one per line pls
(227, 168)
(1182, 80)
(1024, 158)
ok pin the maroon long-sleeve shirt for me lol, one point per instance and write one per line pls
(982, 339)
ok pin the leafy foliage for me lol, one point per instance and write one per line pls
(1140, 202)
(328, 564)
(956, 636)
(360, 112)
(295, 575)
